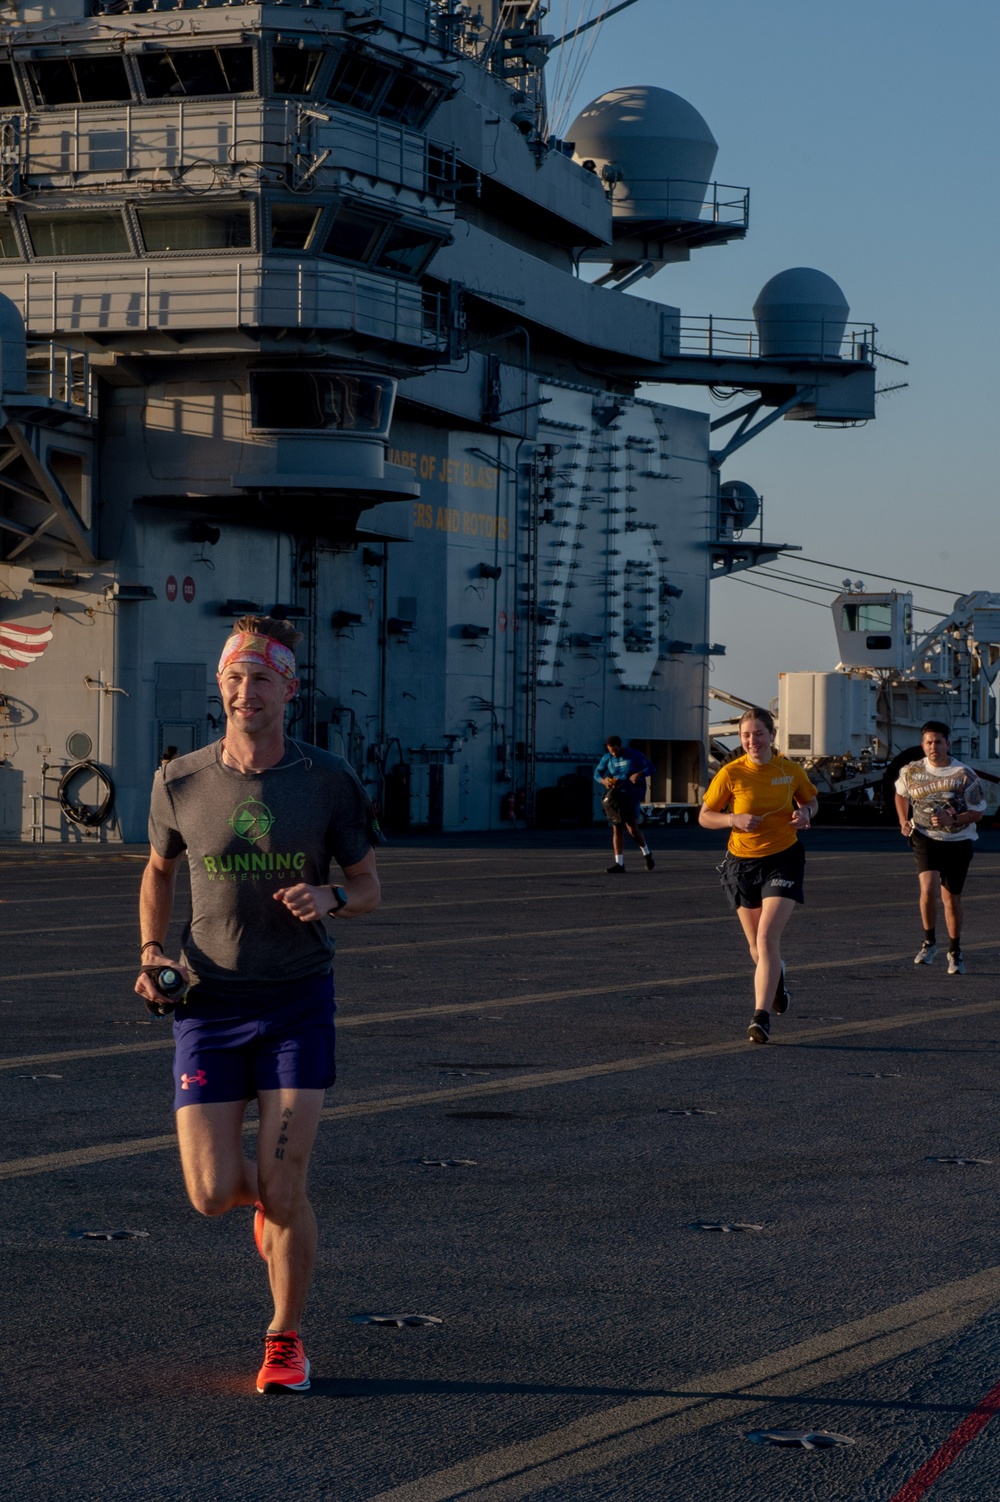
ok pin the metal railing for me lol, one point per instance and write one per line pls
(195, 146)
(162, 142)
(61, 375)
(793, 336)
(256, 292)
(683, 200)
(381, 150)
(443, 22)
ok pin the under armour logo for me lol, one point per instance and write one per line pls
(187, 1080)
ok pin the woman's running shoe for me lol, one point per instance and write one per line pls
(286, 1366)
(926, 954)
(956, 962)
(258, 1227)
(760, 1028)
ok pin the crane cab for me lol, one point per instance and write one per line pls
(874, 630)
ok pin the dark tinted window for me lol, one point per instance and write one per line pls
(71, 234)
(358, 83)
(81, 80)
(55, 82)
(191, 72)
(353, 235)
(295, 69)
(9, 98)
(867, 617)
(200, 228)
(321, 399)
(8, 244)
(406, 251)
(408, 100)
(292, 226)
(101, 78)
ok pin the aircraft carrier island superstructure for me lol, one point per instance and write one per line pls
(306, 308)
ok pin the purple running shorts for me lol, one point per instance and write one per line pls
(226, 1050)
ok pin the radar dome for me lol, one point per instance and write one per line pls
(801, 312)
(739, 505)
(657, 142)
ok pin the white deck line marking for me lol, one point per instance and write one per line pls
(16, 1168)
(453, 1008)
(641, 925)
(702, 861)
(617, 1434)
(499, 936)
(576, 894)
(75, 928)
(521, 864)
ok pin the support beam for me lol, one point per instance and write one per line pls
(32, 537)
(52, 494)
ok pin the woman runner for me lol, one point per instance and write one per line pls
(763, 800)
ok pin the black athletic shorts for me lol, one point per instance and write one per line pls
(950, 858)
(747, 882)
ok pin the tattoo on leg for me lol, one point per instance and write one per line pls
(286, 1117)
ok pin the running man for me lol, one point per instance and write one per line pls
(939, 802)
(260, 818)
(763, 800)
(624, 773)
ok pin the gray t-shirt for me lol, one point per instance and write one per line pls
(246, 835)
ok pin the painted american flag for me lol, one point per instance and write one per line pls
(20, 646)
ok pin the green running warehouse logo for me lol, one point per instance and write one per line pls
(252, 821)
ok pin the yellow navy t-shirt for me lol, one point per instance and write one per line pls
(771, 791)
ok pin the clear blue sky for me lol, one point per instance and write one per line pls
(867, 133)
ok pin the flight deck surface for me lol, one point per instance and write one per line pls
(545, 1095)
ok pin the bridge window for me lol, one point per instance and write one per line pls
(292, 226)
(80, 80)
(9, 97)
(194, 72)
(9, 248)
(219, 228)
(358, 83)
(70, 234)
(327, 400)
(353, 235)
(294, 69)
(406, 250)
(409, 101)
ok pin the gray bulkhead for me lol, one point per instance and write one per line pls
(338, 361)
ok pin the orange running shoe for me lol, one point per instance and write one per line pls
(286, 1367)
(258, 1228)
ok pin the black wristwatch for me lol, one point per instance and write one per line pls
(339, 901)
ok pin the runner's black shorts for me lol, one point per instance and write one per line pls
(746, 882)
(950, 858)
